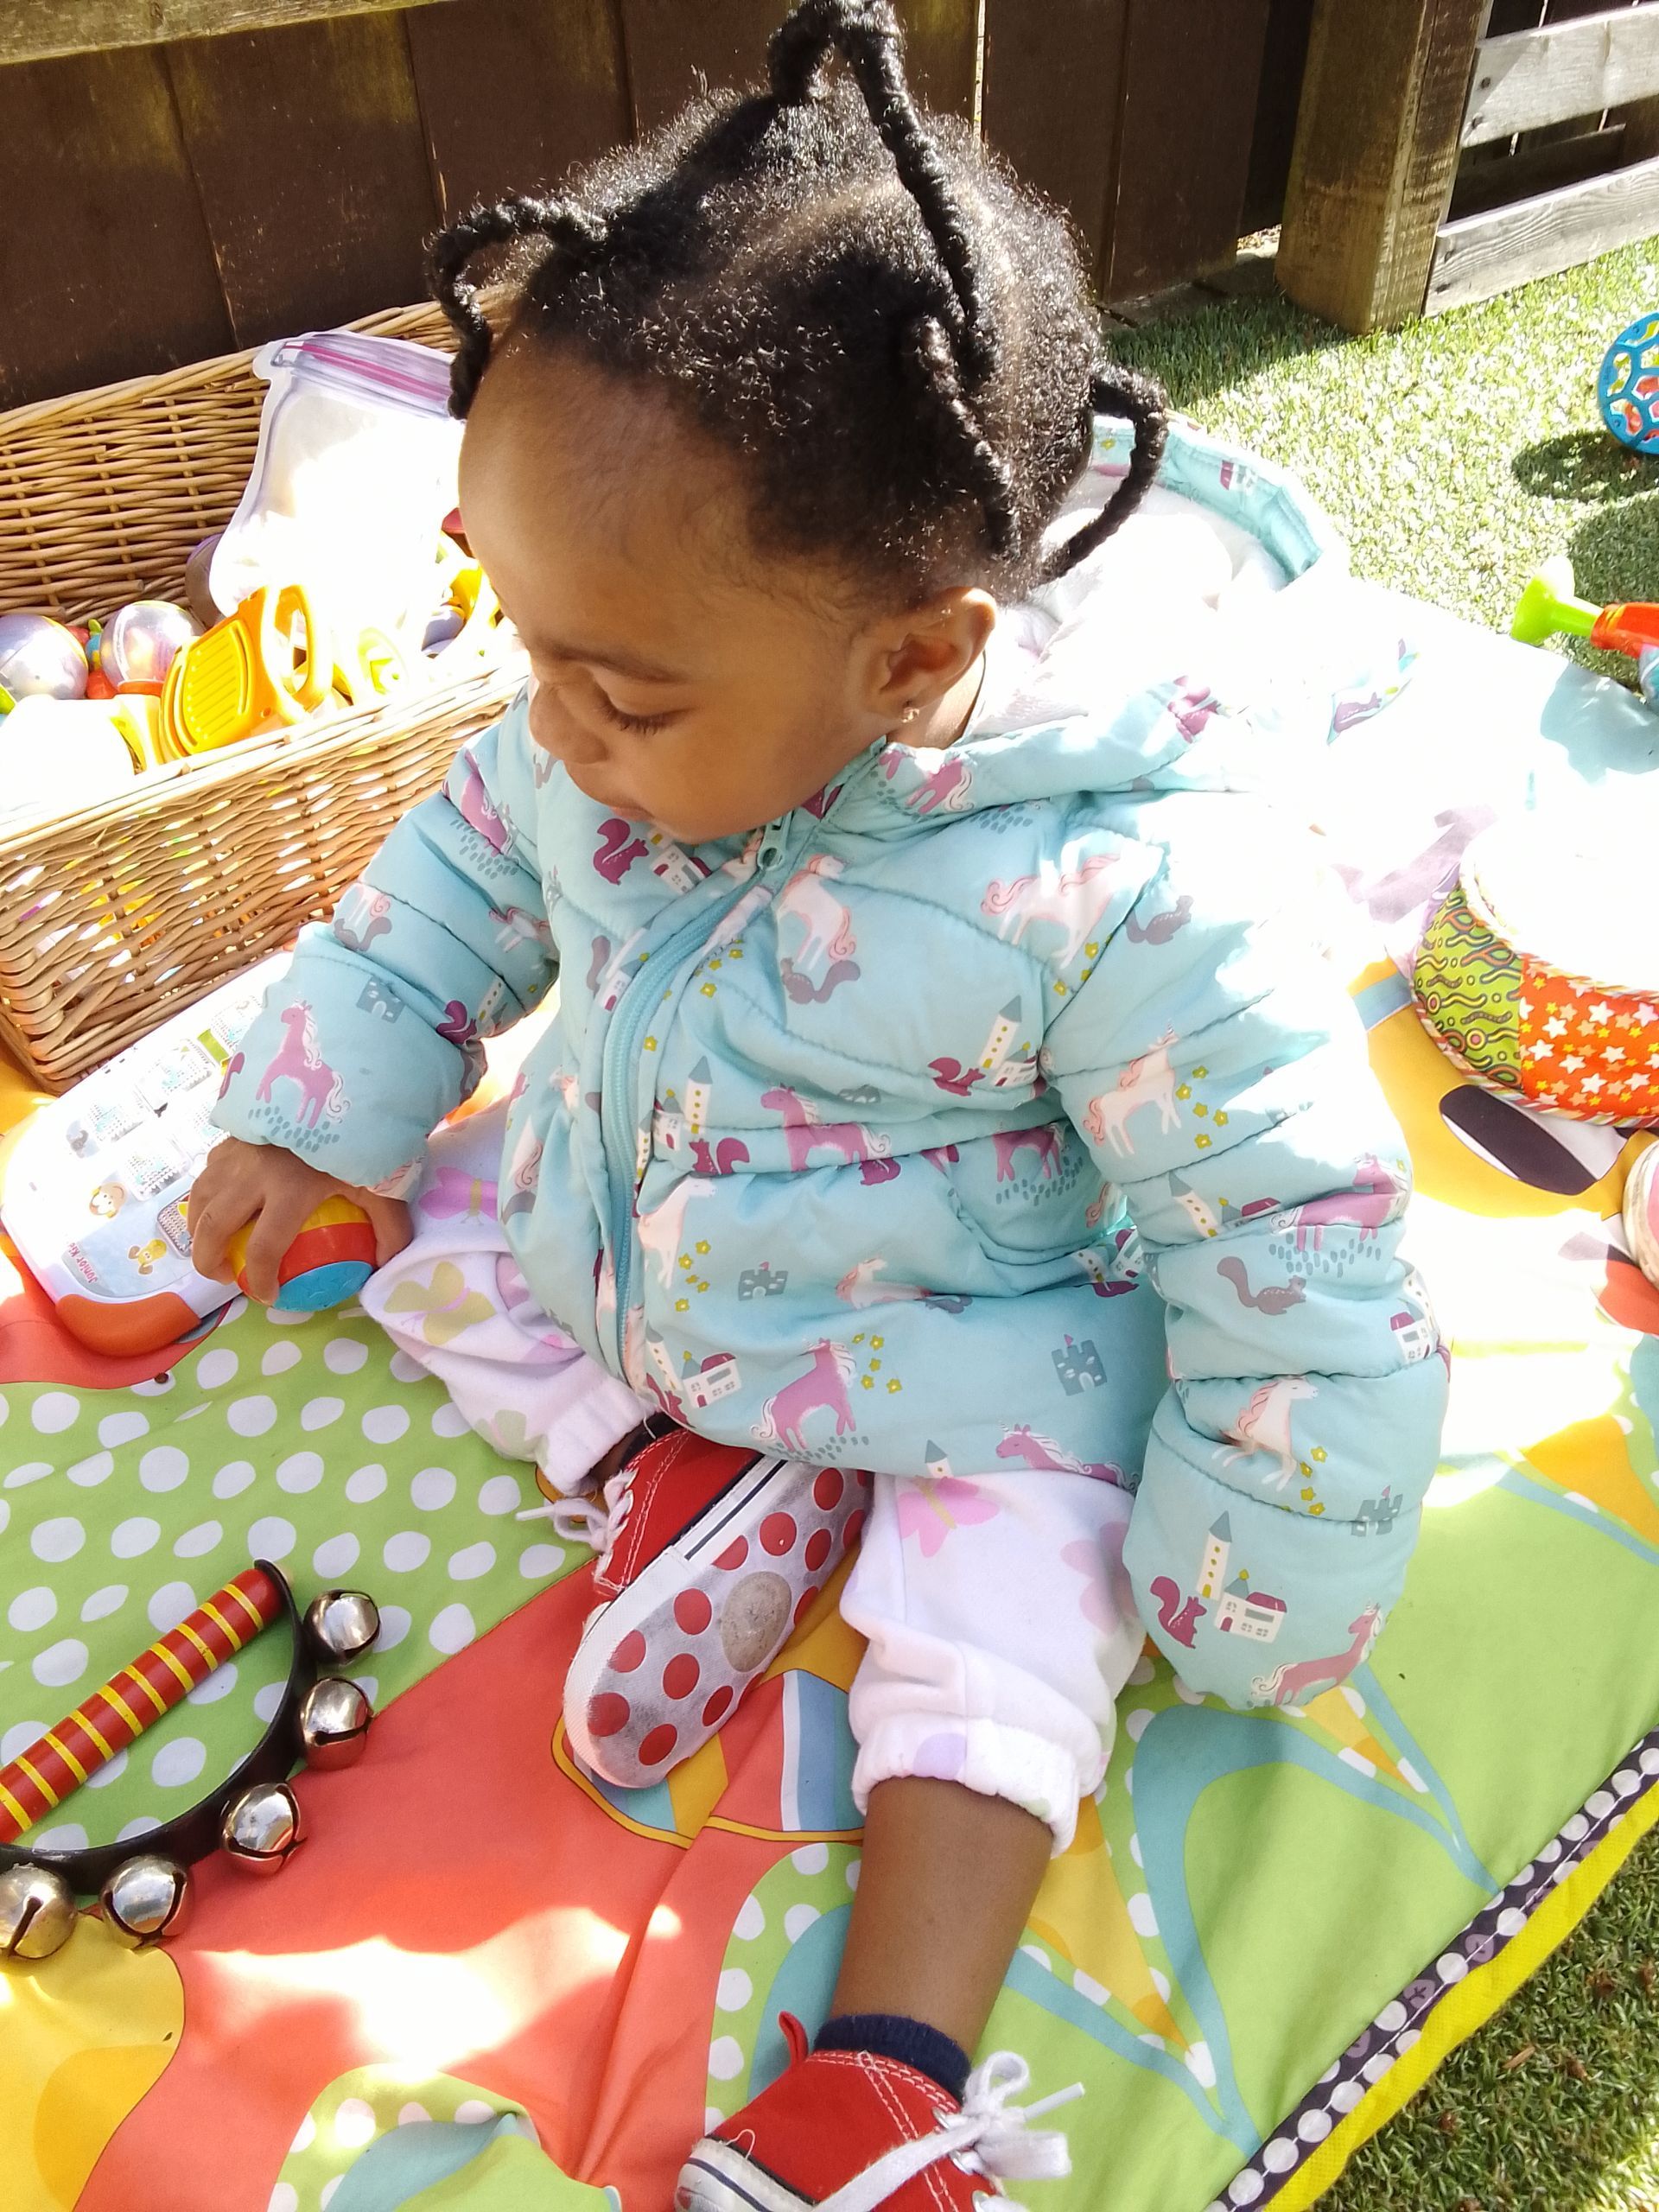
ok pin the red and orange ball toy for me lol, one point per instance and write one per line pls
(329, 1262)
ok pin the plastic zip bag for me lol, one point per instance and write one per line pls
(354, 474)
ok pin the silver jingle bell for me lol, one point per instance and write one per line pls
(37, 1913)
(335, 1718)
(342, 1624)
(145, 1899)
(262, 1830)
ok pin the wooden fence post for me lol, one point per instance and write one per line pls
(1375, 154)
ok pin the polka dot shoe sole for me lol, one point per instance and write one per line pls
(667, 1660)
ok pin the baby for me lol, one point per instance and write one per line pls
(948, 1110)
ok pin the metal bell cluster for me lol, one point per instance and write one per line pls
(147, 1896)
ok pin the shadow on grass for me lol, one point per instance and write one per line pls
(1615, 555)
(1583, 465)
(1223, 346)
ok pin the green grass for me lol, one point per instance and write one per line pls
(1455, 455)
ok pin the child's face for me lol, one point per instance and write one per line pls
(682, 677)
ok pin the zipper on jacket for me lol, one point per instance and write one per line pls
(626, 1140)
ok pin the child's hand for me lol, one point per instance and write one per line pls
(275, 1191)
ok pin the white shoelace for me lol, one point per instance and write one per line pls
(988, 2136)
(597, 1519)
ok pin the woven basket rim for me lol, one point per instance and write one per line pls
(161, 383)
(299, 741)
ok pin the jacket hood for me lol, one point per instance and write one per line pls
(1102, 682)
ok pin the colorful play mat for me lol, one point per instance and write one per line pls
(485, 1983)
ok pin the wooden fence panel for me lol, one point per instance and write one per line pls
(1284, 64)
(308, 147)
(1053, 87)
(1565, 69)
(31, 30)
(105, 270)
(514, 92)
(1188, 114)
(1376, 153)
(1484, 254)
(670, 43)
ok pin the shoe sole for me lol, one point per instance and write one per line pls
(669, 1659)
(717, 2177)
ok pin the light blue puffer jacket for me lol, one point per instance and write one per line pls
(872, 1135)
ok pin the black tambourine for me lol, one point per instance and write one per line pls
(143, 1883)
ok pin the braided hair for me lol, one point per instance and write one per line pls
(895, 338)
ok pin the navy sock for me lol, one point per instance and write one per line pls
(890, 2035)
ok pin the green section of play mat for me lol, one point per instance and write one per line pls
(380, 2141)
(313, 1445)
(1456, 454)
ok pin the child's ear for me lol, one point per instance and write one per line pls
(916, 656)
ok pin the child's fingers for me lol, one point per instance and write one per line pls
(215, 1218)
(389, 1218)
(279, 1223)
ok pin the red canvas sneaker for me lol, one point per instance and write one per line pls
(708, 1556)
(845, 2130)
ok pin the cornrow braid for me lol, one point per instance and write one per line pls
(892, 340)
(927, 353)
(866, 33)
(452, 250)
(1116, 390)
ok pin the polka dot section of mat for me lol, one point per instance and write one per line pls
(358, 2107)
(313, 1445)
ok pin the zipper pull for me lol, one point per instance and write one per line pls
(773, 845)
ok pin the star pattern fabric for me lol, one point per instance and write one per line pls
(1586, 1050)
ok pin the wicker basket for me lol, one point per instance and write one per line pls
(111, 917)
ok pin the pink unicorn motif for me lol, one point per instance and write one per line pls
(805, 1134)
(859, 1286)
(1148, 1081)
(1264, 1425)
(1049, 1457)
(1368, 1207)
(1292, 1680)
(516, 926)
(823, 957)
(1061, 898)
(476, 806)
(522, 1173)
(1045, 1141)
(823, 1388)
(299, 1060)
(233, 1068)
(662, 1232)
(619, 848)
(1192, 706)
(946, 783)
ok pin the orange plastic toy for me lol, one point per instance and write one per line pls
(248, 674)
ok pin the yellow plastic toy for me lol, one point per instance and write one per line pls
(248, 674)
(368, 666)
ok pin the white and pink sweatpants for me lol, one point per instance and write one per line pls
(996, 1610)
